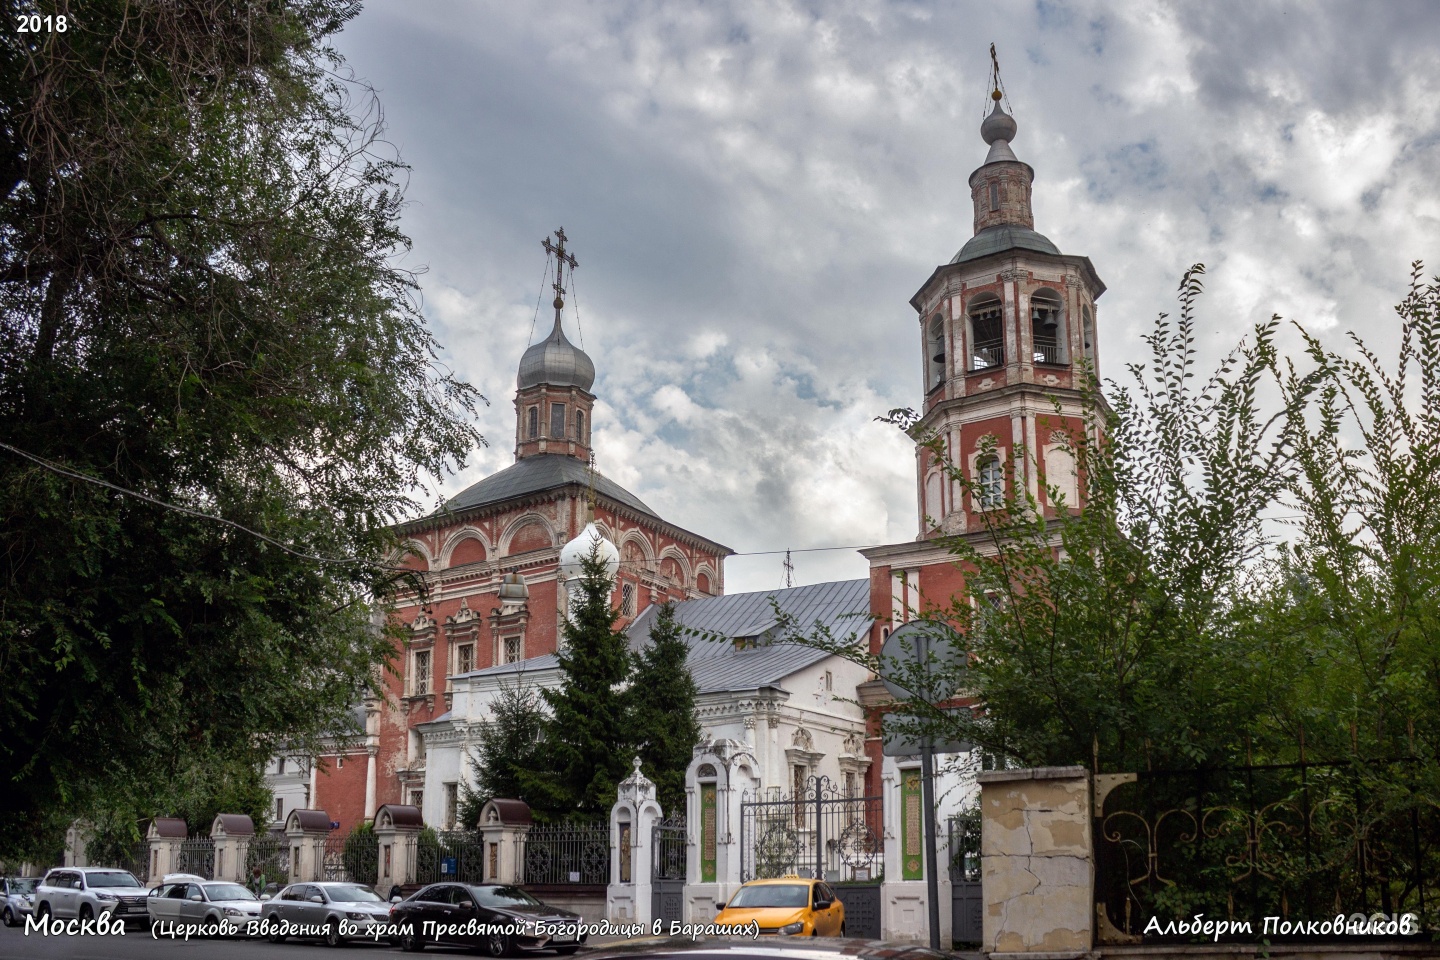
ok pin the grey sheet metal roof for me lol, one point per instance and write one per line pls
(716, 665)
(544, 471)
(1004, 237)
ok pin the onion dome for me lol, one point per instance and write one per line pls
(998, 130)
(556, 361)
(574, 552)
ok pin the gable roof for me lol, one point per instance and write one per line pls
(717, 666)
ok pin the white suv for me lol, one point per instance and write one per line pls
(84, 893)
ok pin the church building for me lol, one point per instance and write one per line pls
(491, 558)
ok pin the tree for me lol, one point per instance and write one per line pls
(662, 709)
(588, 739)
(216, 390)
(511, 749)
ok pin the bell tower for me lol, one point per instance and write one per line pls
(553, 401)
(1007, 331)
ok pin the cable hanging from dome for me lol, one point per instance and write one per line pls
(997, 86)
(544, 275)
(575, 302)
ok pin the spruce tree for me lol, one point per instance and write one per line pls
(662, 710)
(589, 742)
(510, 751)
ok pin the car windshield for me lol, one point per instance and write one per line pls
(22, 886)
(228, 891)
(504, 897)
(110, 878)
(772, 895)
(350, 893)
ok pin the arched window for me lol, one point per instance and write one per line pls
(534, 423)
(987, 333)
(935, 350)
(934, 510)
(1046, 329)
(580, 425)
(1087, 333)
(990, 483)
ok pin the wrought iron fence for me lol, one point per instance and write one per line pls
(669, 848)
(567, 853)
(987, 354)
(271, 853)
(197, 856)
(137, 860)
(457, 855)
(964, 835)
(354, 858)
(1300, 842)
(819, 832)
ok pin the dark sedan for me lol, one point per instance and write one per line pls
(498, 919)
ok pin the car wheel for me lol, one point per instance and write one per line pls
(10, 918)
(411, 941)
(332, 934)
(842, 929)
(274, 935)
(496, 945)
(42, 912)
(86, 913)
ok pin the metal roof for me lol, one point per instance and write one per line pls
(556, 361)
(998, 239)
(717, 666)
(544, 471)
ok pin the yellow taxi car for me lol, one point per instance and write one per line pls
(790, 906)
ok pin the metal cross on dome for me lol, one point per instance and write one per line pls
(562, 257)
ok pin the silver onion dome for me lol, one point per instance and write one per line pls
(557, 362)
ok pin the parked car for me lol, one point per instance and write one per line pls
(19, 898)
(452, 906)
(322, 910)
(184, 898)
(789, 906)
(84, 893)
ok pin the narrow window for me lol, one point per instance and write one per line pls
(512, 650)
(534, 422)
(829, 681)
(339, 763)
(936, 342)
(1087, 331)
(465, 658)
(991, 483)
(279, 808)
(627, 600)
(580, 425)
(421, 676)
(280, 765)
(994, 197)
(452, 791)
(557, 420)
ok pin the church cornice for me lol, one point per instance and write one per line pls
(1004, 262)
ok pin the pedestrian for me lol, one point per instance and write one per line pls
(257, 881)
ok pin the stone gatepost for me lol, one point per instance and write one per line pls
(504, 825)
(76, 837)
(306, 830)
(397, 836)
(717, 780)
(165, 836)
(1036, 859)
(232, 833)
(905, 894)
(628, 898)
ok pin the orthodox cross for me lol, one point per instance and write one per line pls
(562, 257)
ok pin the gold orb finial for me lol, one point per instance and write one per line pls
(995, 95)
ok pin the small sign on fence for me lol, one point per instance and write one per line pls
(447, 865)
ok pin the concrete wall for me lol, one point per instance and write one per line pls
(1035, 854)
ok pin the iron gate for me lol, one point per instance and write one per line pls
(271, 854)
(197, 856)
(669, 846)
(457, 855)
(820, 832)
(967, 902)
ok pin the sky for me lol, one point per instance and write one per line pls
(754, 191)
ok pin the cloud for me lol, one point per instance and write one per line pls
(755, 189)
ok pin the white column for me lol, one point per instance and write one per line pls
(370, 782)
(310, 799)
